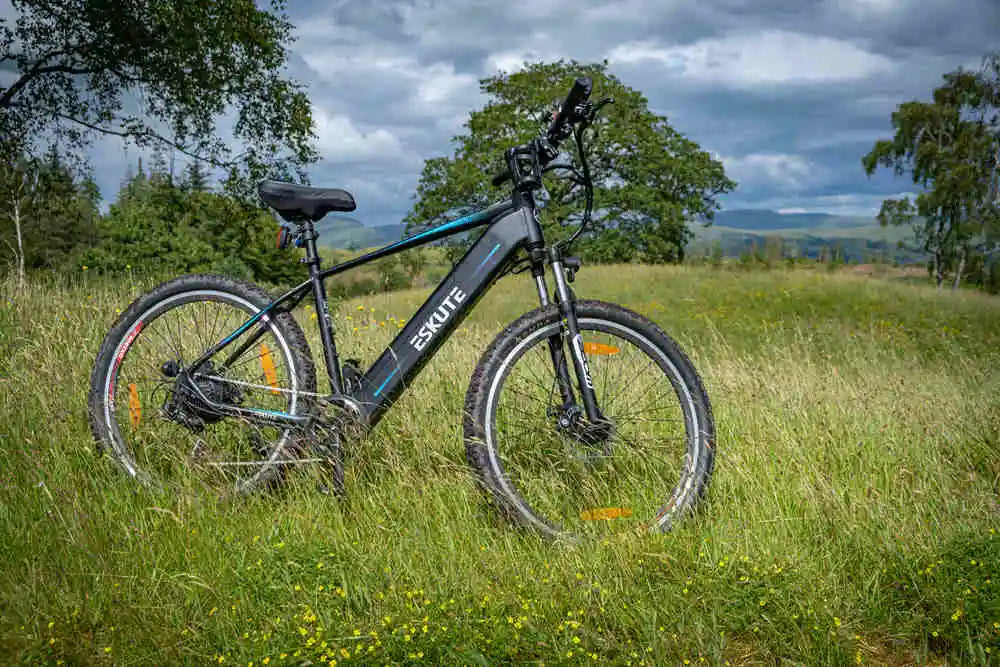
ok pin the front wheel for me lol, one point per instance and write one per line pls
(647, 463)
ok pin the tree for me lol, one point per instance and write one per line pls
(20, 185)
(195, 177)
(46, 212)
(161, 229)
(774, 249)
(650, 180)
(414, 262)
(158, 72)
(951, 149)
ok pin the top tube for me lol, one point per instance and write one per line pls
(478, 219)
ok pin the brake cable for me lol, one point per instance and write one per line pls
(585, 180)
(577, 177)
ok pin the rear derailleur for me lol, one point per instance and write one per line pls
(186, 403)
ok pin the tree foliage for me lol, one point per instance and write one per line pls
(950, 147)
(166, 71)
(161, 228)
(650, 180)
(47, 212)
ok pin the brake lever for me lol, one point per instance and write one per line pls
(603, 102)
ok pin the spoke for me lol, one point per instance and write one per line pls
(198, 333)
(144, 380)
(545, 388)
(604, 391)
(632, 384)
(616, 383)
(180, 333)
(246, 360)
(262, 464)
(546, 363)
(154, 328)
(559, 473)
(228, 443)
(643, 412)
(215, 331)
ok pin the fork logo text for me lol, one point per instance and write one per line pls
(438, 318)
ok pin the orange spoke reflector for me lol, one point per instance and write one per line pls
(599, 348)
(267, 363)
(604, 513)
(134, 407)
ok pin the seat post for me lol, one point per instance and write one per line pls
(313, 260)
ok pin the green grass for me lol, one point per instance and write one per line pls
(852, 516)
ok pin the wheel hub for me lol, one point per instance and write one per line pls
(592, 439)
(185, 404)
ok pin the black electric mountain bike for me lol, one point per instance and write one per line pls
(580, 413)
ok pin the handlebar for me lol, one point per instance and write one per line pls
(566, 115)
(579, 93)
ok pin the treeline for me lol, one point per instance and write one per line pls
(158, 225)
(982, 271)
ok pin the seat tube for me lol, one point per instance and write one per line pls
(322, 312)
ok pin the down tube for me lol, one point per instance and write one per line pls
(441, 314)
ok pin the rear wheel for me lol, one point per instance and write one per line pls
(150, 419)
(547, 468)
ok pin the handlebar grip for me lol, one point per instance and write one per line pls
(577, 94)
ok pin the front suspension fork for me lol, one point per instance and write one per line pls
(567, 310)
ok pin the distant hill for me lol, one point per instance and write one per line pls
(763, 219)
(349, 233)
(860, 238)
(736, 231)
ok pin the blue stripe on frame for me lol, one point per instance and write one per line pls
(246, 325)
(270, 412)
(486, 259)
(386, 381)
(479, 215)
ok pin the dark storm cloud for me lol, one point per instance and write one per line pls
(789, 93)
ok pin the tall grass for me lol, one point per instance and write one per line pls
(852, 516)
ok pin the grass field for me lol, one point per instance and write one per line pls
(852, 517)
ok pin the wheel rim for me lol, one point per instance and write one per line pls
(556, 480)
(155, 428)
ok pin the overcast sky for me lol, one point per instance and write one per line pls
(788, 93)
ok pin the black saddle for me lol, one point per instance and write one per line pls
(296, 203)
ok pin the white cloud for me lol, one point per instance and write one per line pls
(340, 141)
(425, 89)
(513, 61)
(781, 170)
(866, 9)
(768, 57)
(843, 138)
(541, 9)
(439, 84)
(789, 211)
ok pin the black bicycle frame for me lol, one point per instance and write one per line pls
(511, 228)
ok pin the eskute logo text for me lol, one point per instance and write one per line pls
(437, 318)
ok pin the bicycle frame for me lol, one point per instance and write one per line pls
(512, 225)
